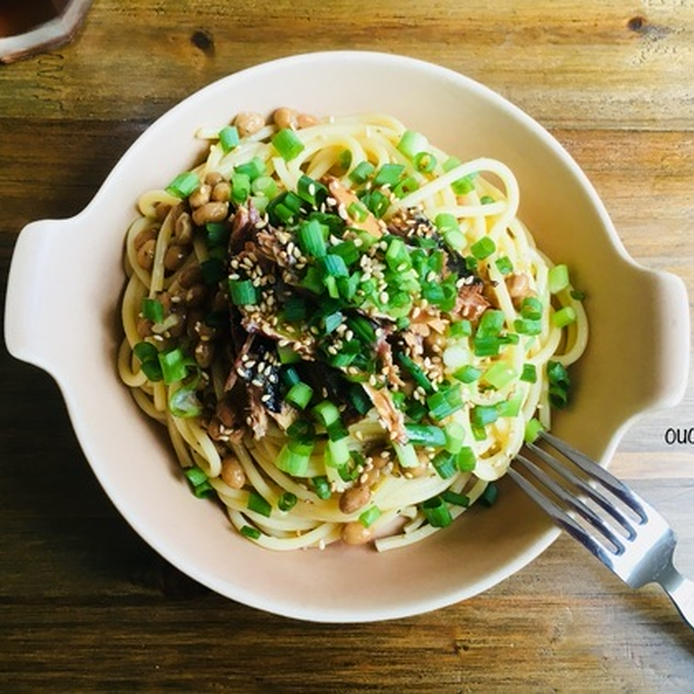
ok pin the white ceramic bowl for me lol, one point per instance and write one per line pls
(62, 315)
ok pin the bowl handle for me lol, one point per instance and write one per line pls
(33, 280)
(672, 353)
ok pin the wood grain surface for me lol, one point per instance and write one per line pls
(85, 605)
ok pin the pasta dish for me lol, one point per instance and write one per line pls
(347, 332)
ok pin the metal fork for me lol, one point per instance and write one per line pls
(640, 554)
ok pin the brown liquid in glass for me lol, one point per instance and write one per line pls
(19, 16)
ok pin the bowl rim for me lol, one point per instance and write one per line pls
(287, 608)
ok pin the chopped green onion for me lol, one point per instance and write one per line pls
(416, 411)
(287, 501)
(397, 257)
(577, 294)
(228, 138)
(499, 374)
(362, 171)
(332, 321)
(334, 265)
(145, 351)
(491, 323)
(152, 370)
(184, 184)
(479, 433)
(376, 202)
(558, 278)
(388, 174)
(357, 211)
(195, 475)
(152, 310)
(337, 452)
(312, 192)
(327, 413)
(287, 355)
(212, 271)
(313, 280)
(299, 394)
(483, 248)
(444, 464)
(557, 373)
(348, 286)
(260, 202)
(490, 494)
(486, 346)
(265, 185)
(481, 415)
(322, 487)
(425, 435)
(531, 308)
(242, 292)
(290, 376)
(294, 457)
(311, 238)
(455, 356)
(436, 512)
(416, 372)
(359, 399)
(204, 490)
(344, 159)
(470, 263)
(240, 187)
(184, 403)
(451, 163)
(529, 373)
(446, 222)
(463, 328)
(362, 329)
(533, 427)
(369, 516)
(464, 185)
(331, 285)
(294, 309)
(468, 374)
(250, 532)
(454, 240)
(405, 187)
(525, 326)
(412, 142)
(173, 365)
(486, 199)
(564, 316)
(466, 459)
(217, 233)
(301, 430)
(253, 168)
(407, 456)
(287, 144)
(424, 162)
(511, 407)
(258, 504)
(347, 251)
(504, 265)
(445, 402)
(454, 498)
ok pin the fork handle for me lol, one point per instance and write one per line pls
(681, 592)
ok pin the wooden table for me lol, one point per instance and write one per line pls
(85, 605)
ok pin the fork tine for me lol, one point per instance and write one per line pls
(620, 490)
(572, 501)
(594, 494)
(560, 516)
